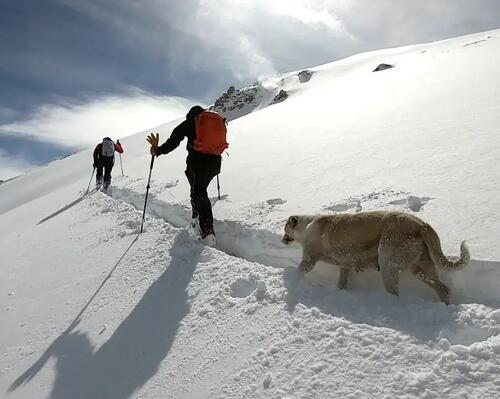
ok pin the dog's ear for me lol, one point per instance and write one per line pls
(293, 220)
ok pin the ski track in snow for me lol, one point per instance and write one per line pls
(474, 284)
(260, 246)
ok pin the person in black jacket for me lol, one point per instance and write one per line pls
(200, 170)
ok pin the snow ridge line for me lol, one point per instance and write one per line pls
(233, 238)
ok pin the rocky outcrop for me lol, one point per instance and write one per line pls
(383, 67)
(304, 76)
(235, 103)
(281, 96)
(233, 99)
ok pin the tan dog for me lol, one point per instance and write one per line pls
(390, 241)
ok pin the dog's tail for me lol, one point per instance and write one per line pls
(433, 243)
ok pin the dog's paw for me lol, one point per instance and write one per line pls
(305, 267)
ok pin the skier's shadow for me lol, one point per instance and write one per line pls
(133, 354)
(67, 206)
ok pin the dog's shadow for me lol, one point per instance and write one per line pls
(416, 312)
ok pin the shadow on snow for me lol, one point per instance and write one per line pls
(66, 207)
(133, 354)
(417, 311)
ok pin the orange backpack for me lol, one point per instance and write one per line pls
(210, 133)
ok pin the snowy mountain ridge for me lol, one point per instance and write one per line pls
(94, 310)
(235, 103)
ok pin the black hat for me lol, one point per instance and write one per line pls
(194, 111)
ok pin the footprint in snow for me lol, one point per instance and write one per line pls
(243, 288)
(216, 199)
(276, 201)
(171, 184)
(130, 227)
(477, 41)
(343, 207)
(383, 199)
(130, 224)
(416, 203)
(412, 202)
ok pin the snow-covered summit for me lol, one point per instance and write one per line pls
(90, 309)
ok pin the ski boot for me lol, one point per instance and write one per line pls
(209, 240)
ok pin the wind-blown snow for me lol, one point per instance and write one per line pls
(92, 310)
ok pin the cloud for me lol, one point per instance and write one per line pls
(261, 37)
(76, 125)
(7, 114)
(197, 48)
(388, 23)
(97, 49)
(240, 40)
(12, 166)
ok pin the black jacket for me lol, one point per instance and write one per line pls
(195, 160)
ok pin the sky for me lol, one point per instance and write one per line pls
(73, 71)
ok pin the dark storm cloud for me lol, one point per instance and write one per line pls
(52, 50)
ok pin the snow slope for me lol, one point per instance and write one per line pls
(92, 310)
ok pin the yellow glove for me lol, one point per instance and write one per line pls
(153, 139)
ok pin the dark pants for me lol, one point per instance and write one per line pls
(105, 163)
(202, 208)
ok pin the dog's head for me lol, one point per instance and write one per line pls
(290, 225)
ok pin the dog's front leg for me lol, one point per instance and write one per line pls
(306, 266)
(307, 263)
(343, 276)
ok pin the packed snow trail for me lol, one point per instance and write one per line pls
(233, 238)
(475, 284)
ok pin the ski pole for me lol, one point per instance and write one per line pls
(147, 191)
(218, 186)
(90, 181)
(121, 165)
